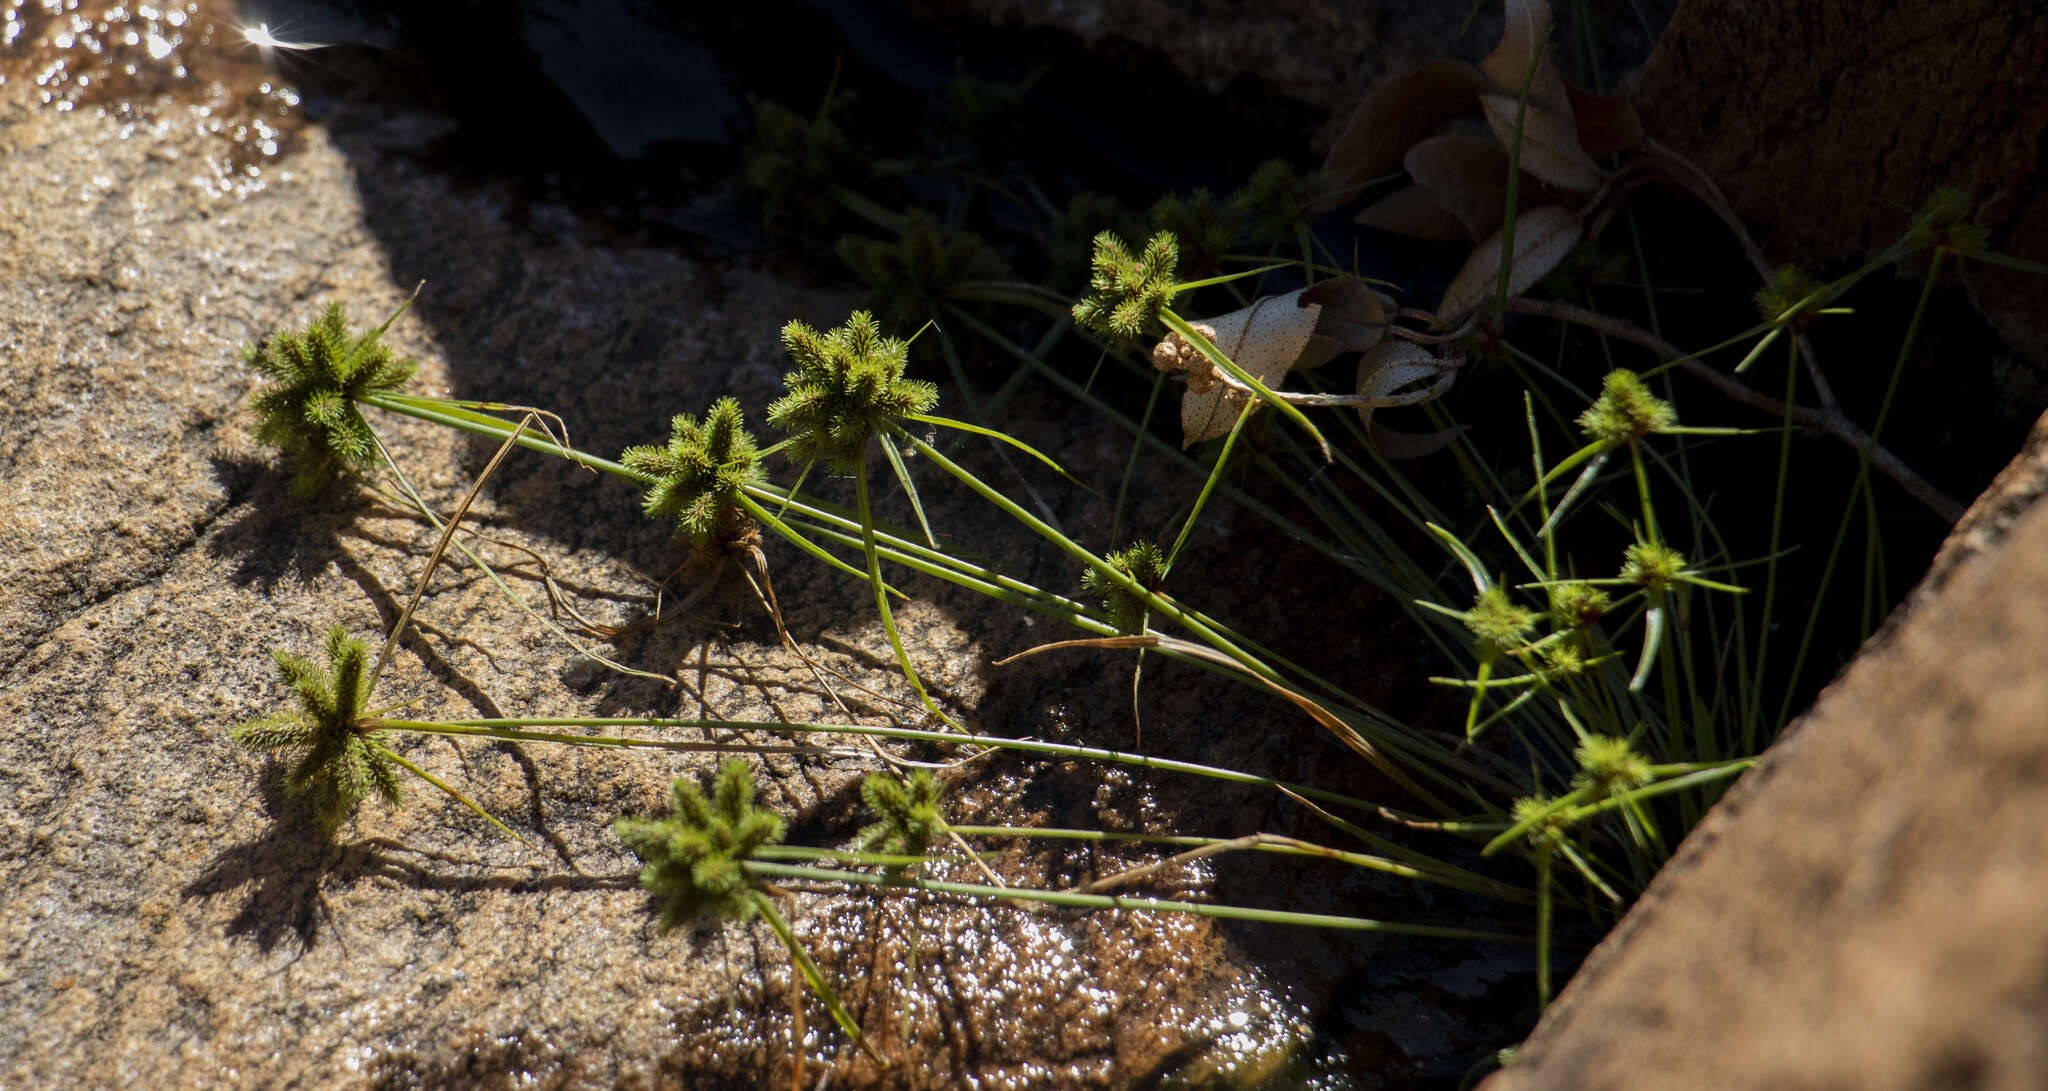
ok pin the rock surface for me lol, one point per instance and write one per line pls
(1891, 100)
(1863, 910)
(170, 919)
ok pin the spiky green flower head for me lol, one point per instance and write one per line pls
(1549, 828)
(339, 764)
(1205, 227)
(1498, 626)
(1128, 293)
(1576, 604)
(848, 385)
(1791, 289)
(1278, 201)
(699, 474)
(912, 272)
(1625, 411)
(1652, 565)
(1944, 220)
(308, 409)
(1145, 564)
(693, 856)
(793, 164)
(1608, 765)
(907, 816)
(1070, 248)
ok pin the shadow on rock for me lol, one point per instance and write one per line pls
(282, 870)
(275, 535)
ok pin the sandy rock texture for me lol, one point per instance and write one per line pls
(1863, 910)
(170, 919)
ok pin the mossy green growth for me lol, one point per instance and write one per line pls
(693, 856)
(1497, 624)
(1608, 765)
(1145, 564)
(1128, 293)
(699, 474)
(1626, 411)
(339, 764)
(848, 385)
(794, 164)
(908, 818)
(911, 273)
(308, 410)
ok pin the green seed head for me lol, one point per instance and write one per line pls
(1576, 605)
(848, 385)
(1278, 201)
(699, 474)
(794, 163)
(693, 856)
(1127, 294)
(1608, 765)
(1625, 411)
(911, 273)
(1944, 220)
(308, 408)
(338, 763)
(1204, 226)
(1498, 626)
(1653, 565)
(1145, 564)
(1071, 249)
(1790, 287)
(1563, 658)
(1547, 830)
(908, 817)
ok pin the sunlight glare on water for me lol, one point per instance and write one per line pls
(148, 65)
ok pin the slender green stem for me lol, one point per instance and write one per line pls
(1209, 483)
(458, 797)
(867, 542)
(1072, 899)
(811, 974)
(509, 734)
(1161, 604)
(909, 734)
(1286, 846)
